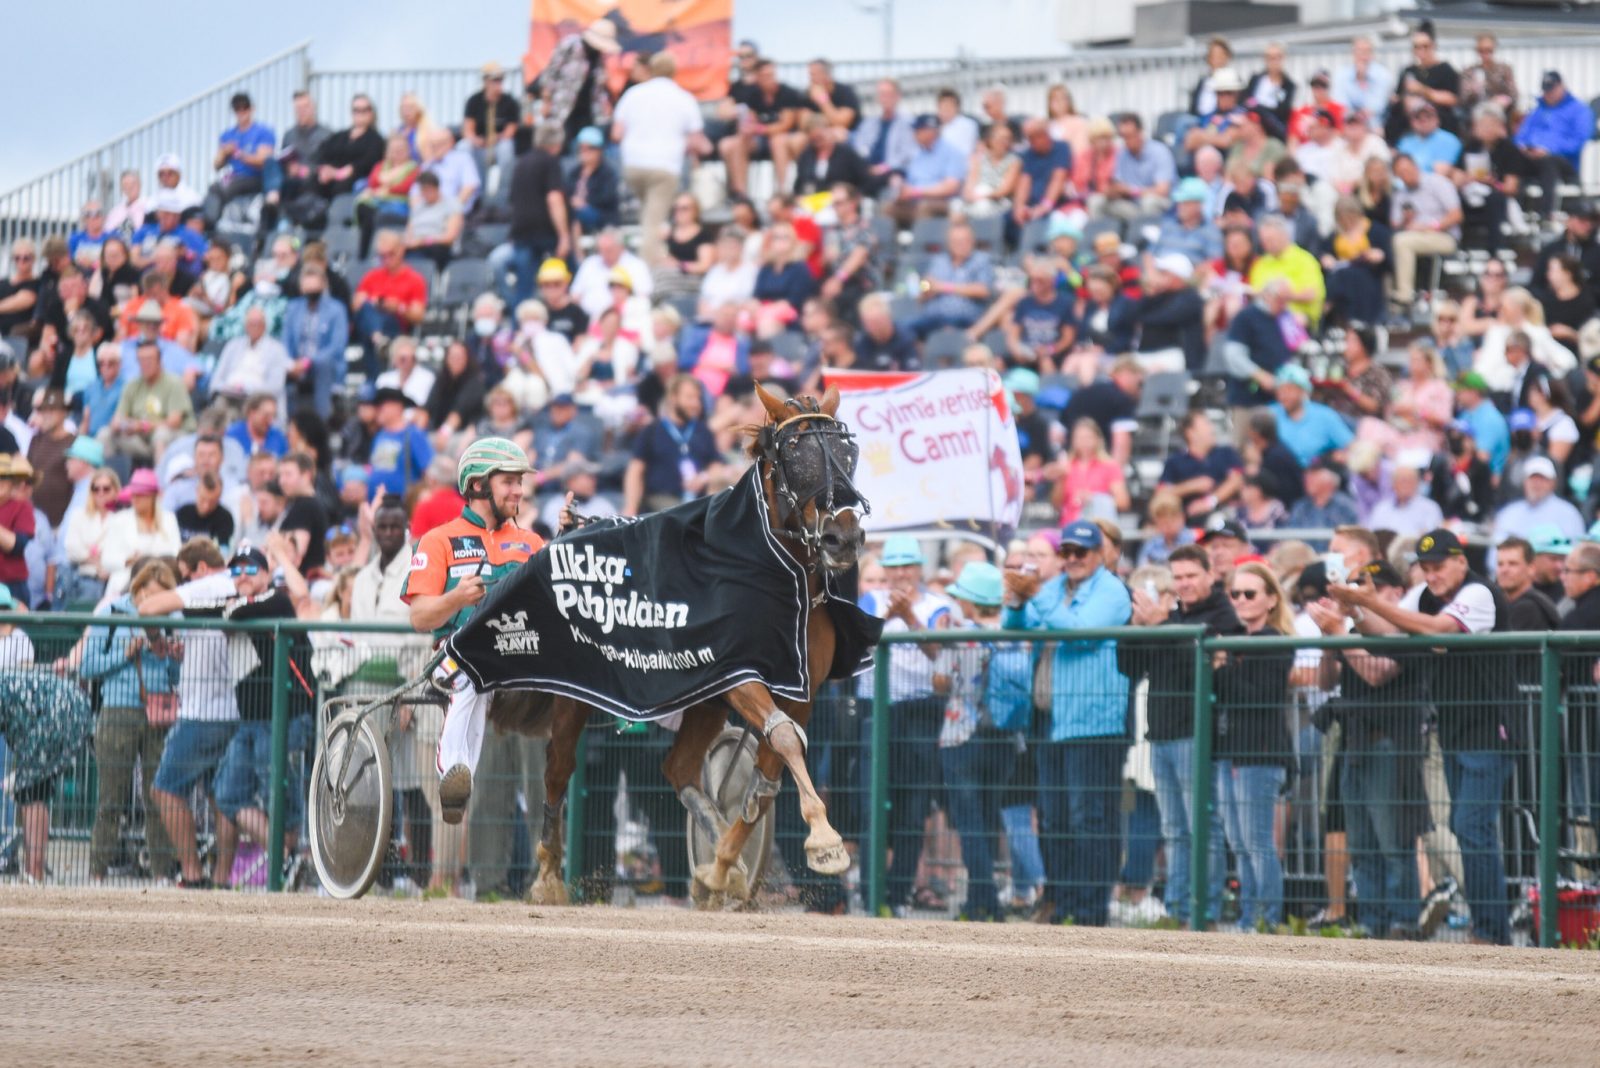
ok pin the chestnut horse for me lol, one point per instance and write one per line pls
(806, 459)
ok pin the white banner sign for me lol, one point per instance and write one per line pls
(938, 449)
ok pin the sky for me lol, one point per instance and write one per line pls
(87, 82)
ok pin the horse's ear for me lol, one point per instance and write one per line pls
(830, 402)
(775, 409)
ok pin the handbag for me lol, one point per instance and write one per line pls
(160, 709)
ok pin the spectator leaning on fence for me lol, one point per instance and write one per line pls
(1170, 713)
(1080, 761)
(1471, 692)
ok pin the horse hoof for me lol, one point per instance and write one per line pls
(828, 859)
(551, 892)
(738, 884)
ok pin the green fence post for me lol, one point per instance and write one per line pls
(1549, 789)
(878, 812)
(1200, 810)
(280, 757)
(576, 787)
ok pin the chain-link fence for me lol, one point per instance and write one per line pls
(1431, 788)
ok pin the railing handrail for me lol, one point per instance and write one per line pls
(304, 47)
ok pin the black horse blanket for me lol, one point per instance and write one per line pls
(646, 617)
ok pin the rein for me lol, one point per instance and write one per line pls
(836, 482)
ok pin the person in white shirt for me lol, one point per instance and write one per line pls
(254, 362)
(1405, 510)
(731, 279)
(656, 123)
(591, 287)
(1356, 144)
(404, 373)
(545, 365)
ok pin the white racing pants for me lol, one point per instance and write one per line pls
(461, 740)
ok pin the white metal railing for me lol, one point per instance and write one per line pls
(49, 204)
(1147, 81)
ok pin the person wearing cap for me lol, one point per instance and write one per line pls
(1553, 136)
(1322, 105)
(1225, 540)
(934, 174)
(47, 452)
(1219, 57)
(18, 524)
(657, 124)
(154, 408)
(592, 187)
(1483, 422)
(242, 153)
(1540, 505)
(916, 707)
(1435, 149)
(1223, 125)
(434, 223)
(1472, 694)
(401, 450)
(489, 123)
(1080, 761)
(165, 224)
(1187, 232)
(491, 477)
(581, 494)
(144, 529)
(83, 458)
(1169, 319)
(1549, 548)
(1309, 428)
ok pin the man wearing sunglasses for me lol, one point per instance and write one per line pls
(1080, 762)
(349, 155)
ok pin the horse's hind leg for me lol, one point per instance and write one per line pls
(785, 736)
(686, 759)
(562, 760)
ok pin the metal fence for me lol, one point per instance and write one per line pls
(1399, 787)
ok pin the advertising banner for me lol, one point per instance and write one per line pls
(697, 32)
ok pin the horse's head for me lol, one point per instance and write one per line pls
(808, 461)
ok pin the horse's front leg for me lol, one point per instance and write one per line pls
(549, 888)
(785, 736)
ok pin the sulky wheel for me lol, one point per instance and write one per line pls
(725, 778)
(351, 805)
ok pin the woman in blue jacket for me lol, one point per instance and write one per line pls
(131, 663)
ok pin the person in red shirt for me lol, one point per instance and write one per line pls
(1321, 100)
(16, 525)
(441, 501)
(785, 208)
(389, 301)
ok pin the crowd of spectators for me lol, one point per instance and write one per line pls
(1234, 318)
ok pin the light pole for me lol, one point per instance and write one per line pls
(886, 9)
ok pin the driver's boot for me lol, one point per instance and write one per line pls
(455, 790)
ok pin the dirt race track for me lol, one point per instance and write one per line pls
(166, 978)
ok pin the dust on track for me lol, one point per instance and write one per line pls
(169, 978)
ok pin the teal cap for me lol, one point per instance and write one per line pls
(979, 583)
(902, 550)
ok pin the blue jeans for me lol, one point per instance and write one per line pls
(1080, 793)
(973, 779)
(194, 750)
(1173, 765)
(1143, 835)
(1383, 861)
(1248, 797)
(1477, 780)
(1027, 862)
(246, 771)
(370, 320)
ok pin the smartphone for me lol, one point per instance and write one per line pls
(1150, 591)
(1337, 571)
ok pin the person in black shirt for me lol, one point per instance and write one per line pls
(540, 226)
(1033, 427)
(205, 516)
(489, 122)
(1491, 173)
(1577, 241)
(1280, 471)
(826, 161)
(304, 519)
(767, 116)
(675, 456)
(349, 155)
(19, 294)
(1581, 578)
(1171, 315)
(1567, 299)
(1113, 404)
(1530, 609)
(1428, 78)
(881, 345)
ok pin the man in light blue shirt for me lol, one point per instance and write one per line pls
(1187, 231)
(958, 286)
(242, 151)
(1306, 428)
(1435, 149)
(1365, 85)
(884, 140)
(1144, 172)
(935, 173)
(1539, 506)
(175, 359)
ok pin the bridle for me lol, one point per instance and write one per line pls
(832, 488)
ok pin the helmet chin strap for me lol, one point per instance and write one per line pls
(485, 494)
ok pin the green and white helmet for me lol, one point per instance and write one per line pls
(486, 456)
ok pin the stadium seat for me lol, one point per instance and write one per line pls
(487, 236)
(988, 232)
(1137, 229)
(1095, 227)
(995, 340)
(930, 235)
(887, 231)
(464, 282)
(429, 273)
(343, 244)
(904, 309)
(944, 347)
(1036, 236)
(790, 346)
(342, 211)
